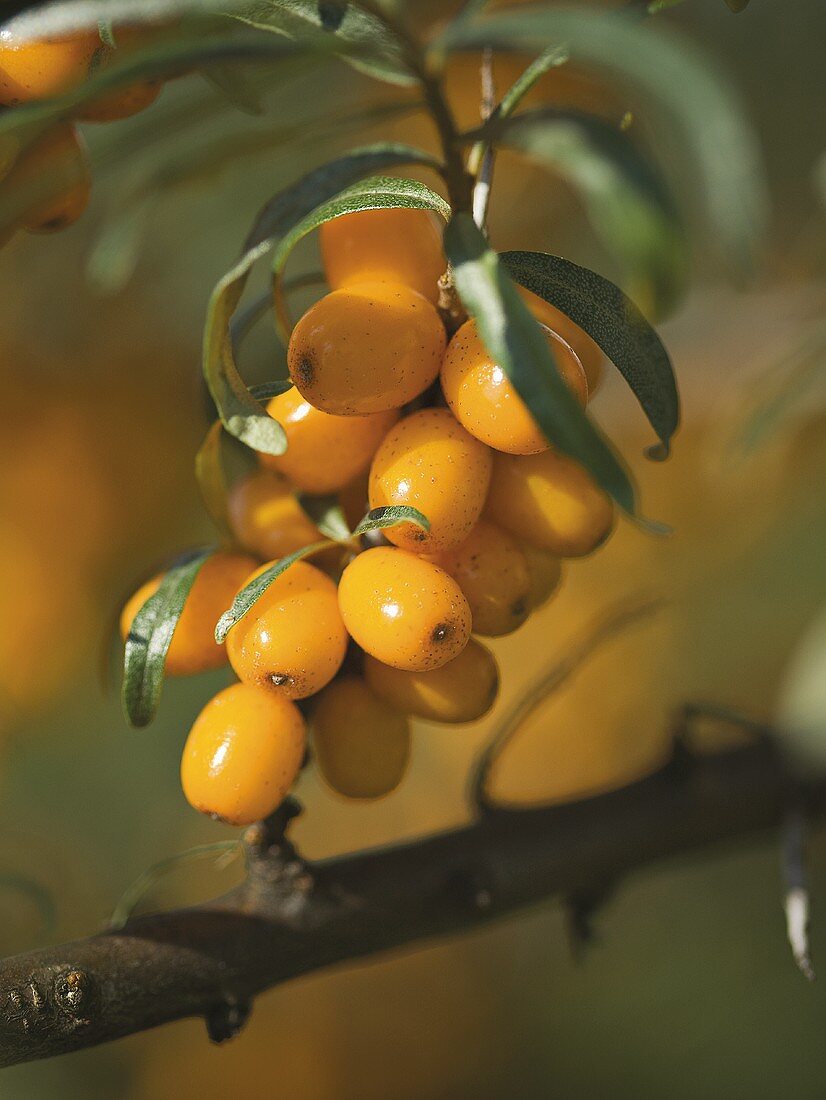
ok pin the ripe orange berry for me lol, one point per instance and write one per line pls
(463, 690)
(243, 754)
(588, 350)
(292, 641)
(384, 246)
(492, 571)
(485, 401)
(430, 462)
(362, 745)
(52, 180)
(545, 570)
(267, 519)
(551, 502)
(193, 647)
(366, 348)
(324, 452)
(42, 69)
(403, 610)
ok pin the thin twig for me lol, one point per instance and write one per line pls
(484, 176)
(550, 681)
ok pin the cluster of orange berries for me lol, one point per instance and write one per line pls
(377, 633)
(54, 171)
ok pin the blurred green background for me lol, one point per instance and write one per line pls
(691, 990)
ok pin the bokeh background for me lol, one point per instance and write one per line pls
(690, 990)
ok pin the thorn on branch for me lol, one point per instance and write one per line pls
(796, 901)
(225, 1020)
(614, 623)
(582, 907)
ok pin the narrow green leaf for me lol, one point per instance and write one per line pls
(326, 513)
(376, 193)
(106, 32)
(265, 391)
(614, 322)
(515, 340)
(241, 414)
(627, 201)
(289, 207)
(150, 636)
(552, 58)
(211, 478)
(358, 36)
(251, 592)
(702, 116)
(391, 515)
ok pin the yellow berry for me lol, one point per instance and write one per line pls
(267, 519)
(551, 502)
(324, 452)
(403, 610)
(485, 402)
(384, 246)
(52, 177)
(361, 744)
(292, 641)
(463, 690)
(588, 350)
(492, 571)
(243, 754)
(429, 461)
(193, 647)
(366, 348)
(32, 70)
(545, 570)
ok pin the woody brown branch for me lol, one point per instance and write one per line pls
(291, 918)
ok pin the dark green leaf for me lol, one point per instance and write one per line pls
(391, 515)
(546, 61)
(516, 342)
(627, 202)
(211, 478)
(615, 323)
(291, 206)
(327, 515)
(150, 636)
(703, 117)
(242, 416)
(265, 391)
(240, 413)
(259, 585)
(359, 37)
(376, 193)
(233, 83)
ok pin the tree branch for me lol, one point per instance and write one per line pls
(290, 918)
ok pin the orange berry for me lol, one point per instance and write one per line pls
(545, 571)
(361, 745)
(51, 180)
(267, 519)
(403, 610)
(485, 401)
(551, 502)
(588, 350)
(492, 571)
(32, 70)
(384, 246)
(366, 348)
(193, 647)
(463, 690)
(243, 754)
(292, 641)
(353, 499)
(124, 103)
(429, 461)
(324, 452)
